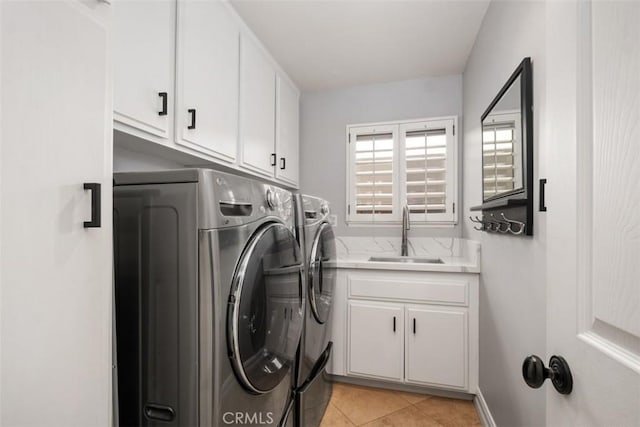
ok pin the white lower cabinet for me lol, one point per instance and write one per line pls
(418, 328)
(375, 339)
(436, 346)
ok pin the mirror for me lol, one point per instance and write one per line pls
(506, 138)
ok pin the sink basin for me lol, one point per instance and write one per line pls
(406, 259)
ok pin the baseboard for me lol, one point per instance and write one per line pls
(483, 410)
(401, 387)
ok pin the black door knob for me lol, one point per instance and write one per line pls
(534, 373)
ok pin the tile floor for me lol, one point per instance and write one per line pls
(353, 405)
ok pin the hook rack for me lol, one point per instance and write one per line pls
(505, 225)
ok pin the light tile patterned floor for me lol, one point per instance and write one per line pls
(353, 405)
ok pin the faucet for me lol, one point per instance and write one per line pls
(405, 227)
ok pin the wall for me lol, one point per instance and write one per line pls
(324, 116)
(126, 160)
(513, 280)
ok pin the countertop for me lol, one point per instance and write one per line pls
(458, 255)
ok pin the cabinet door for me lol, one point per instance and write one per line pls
(436, 346)
(257, 109)
(376, 340)
(208, 76)
(143, 51)
(287, 136)
(56, 274)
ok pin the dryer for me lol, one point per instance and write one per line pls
(209, 299)
(316, 236)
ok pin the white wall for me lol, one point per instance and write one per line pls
(126, 160)
(513, 279)
(324, 116)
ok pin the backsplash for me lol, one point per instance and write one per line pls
(357, 247)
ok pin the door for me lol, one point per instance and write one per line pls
(265, 316)
(143, 53)
(593, 210)
(436, 346)
(376, 343)
(207, 78)
(322, 273)
(56, 274)
(287, 131)
(257, 109)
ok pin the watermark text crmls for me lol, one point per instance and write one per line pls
(248, 418)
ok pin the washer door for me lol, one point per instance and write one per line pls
(265, 315)
(322, 273)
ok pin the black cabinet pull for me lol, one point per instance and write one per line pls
(543, 203)
(283, 163)
(95, 205)
(163, 95)
(192, 111)
(273, 159)
(394, 323)
(414, 325)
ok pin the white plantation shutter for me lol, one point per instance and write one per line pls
(374, 173)
(404, 162)
(429, 170)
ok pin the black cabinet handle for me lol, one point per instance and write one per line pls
(535, 373)
(273, 159)
(192, 111)
(283, 163)
(414, 325)
(163, 95)
(96, 211)
(543, 203)
(394, 323)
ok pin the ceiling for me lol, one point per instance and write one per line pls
(325, 44)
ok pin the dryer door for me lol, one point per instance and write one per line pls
(265, 315)
(322, 273)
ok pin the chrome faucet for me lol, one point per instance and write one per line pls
(405, 227)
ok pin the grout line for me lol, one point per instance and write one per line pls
(343, 414)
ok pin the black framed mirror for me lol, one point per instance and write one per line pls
(507, 138)
(507, 155)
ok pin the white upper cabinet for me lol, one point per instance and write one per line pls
(191, 76)
(207, 78)
(144, 45)
(257, 109)
(287, 131)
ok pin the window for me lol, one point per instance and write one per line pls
(393, 164)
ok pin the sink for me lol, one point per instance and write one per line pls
(406, 259)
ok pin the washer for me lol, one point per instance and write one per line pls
(209, 299)
(315, 234)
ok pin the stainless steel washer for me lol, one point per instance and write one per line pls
(315, 234)
(209, 299)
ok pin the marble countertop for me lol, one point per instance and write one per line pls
(457, 255)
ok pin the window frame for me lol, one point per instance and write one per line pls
(398, 129)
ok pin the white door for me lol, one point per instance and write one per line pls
(287, 131)
(56, 275)
(257, 109)
(207, 78)
(436, 346)
(376, 343)
(593, 293)
(143, 63)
